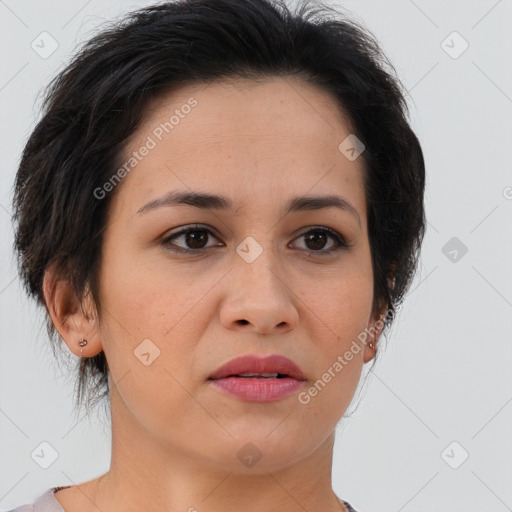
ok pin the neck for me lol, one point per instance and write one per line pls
(145, 474)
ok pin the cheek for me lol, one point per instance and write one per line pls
(147, 311)
(149, 295)
(342, 300)
(344, 310)
(153, 308)
(343, 306)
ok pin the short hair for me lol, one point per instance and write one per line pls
(93, 106)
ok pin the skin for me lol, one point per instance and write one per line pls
(175, 438)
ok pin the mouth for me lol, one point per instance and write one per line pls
(252, 366)
(273, 375)
(255, 379)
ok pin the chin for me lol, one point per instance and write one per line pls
(258, 452)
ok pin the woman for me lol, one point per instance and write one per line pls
(220, 210)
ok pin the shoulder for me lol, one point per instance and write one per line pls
(45, 502)
(22, 508)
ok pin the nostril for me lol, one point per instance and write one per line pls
(242, 322)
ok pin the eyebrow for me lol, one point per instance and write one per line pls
(216, 202)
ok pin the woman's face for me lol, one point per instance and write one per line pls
(259, 279)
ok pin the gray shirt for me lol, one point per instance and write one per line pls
(48, 503)
(45, 503)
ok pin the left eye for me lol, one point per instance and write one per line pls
(196, 238)
(317, 238)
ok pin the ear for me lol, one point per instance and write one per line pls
(374, 330)
(377, 322)
(69, 317)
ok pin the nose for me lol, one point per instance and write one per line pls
(259, 299)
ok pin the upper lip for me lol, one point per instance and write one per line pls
(256, 364)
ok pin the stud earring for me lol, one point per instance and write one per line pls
(82, 343)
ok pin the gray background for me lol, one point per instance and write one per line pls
(444, 375)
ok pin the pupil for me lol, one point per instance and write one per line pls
(315, 235)
(193, 238)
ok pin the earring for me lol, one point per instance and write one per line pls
(371, 345)
(82, 343)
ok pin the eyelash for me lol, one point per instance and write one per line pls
(340, 241)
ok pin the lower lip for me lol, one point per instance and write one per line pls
(258, 389)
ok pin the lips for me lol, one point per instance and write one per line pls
(254, 367)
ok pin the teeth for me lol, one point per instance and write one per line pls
(267, 375)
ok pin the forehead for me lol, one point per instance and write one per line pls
(262, 107)
(250, 138)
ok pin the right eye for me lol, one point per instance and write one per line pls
(195, 237)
